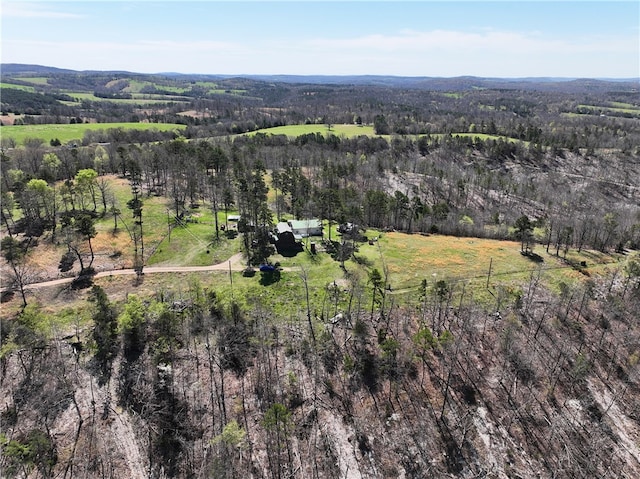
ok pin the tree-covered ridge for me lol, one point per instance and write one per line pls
(23, 101)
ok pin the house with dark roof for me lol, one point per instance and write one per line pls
(285, 239)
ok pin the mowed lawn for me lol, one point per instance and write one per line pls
(69, 132)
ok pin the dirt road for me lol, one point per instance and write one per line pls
(234, 263)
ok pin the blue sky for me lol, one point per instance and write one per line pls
(413, 38)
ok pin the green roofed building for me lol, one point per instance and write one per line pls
(304, 228)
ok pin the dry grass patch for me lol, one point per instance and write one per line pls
(409, 257)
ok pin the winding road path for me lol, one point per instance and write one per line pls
(234, 263)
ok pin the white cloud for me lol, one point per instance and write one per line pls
(408, 53)
(33, 10)
(482, 53)
(456, 41)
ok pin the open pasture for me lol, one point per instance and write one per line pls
(612, 109)
(351, 131)
(408, 259)
(485, 136)
(299, 130)
(30, 89)
(625, 106)
(69, 132)
(616, 107)
(35, 80)
(137, 86)
(137, 98)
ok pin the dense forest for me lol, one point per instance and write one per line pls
(532, 378)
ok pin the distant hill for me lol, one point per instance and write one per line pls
(462, 83)
(20, 68)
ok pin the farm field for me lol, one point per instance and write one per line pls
(613, 109)
(137, 98)
(616, 107)
(17, 87)
(35, 80)
(484, 136)
(351, 131)
(623, 105)
(136, 86)
(69, 132)
(299, 130)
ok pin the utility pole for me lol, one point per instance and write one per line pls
(489, 274)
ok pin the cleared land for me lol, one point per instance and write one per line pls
(17, 87)
(68, 132)
(137, 98)
(299, 130)
(351, 131)
(484, 136)
(617, 107)
(36, 80)
(405, 260)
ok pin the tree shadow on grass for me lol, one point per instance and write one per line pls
(340, 251)
(535, 257)
(289, 251)
(362, 260)
(269, 277)
(84, 280)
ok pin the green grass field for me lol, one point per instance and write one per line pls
(69, 132)
(455, 95)
(351, 131)
(137, 98)
(36, 80)
(625, 106)
(18, 87)
(192, 243)
(484, 136)
(136, 86)
(298, 130)
(408, 259)
(617, 107)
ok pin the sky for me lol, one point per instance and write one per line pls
(506, 39)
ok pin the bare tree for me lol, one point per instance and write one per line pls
(16, 252)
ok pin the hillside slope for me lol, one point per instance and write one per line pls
(547, 386)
